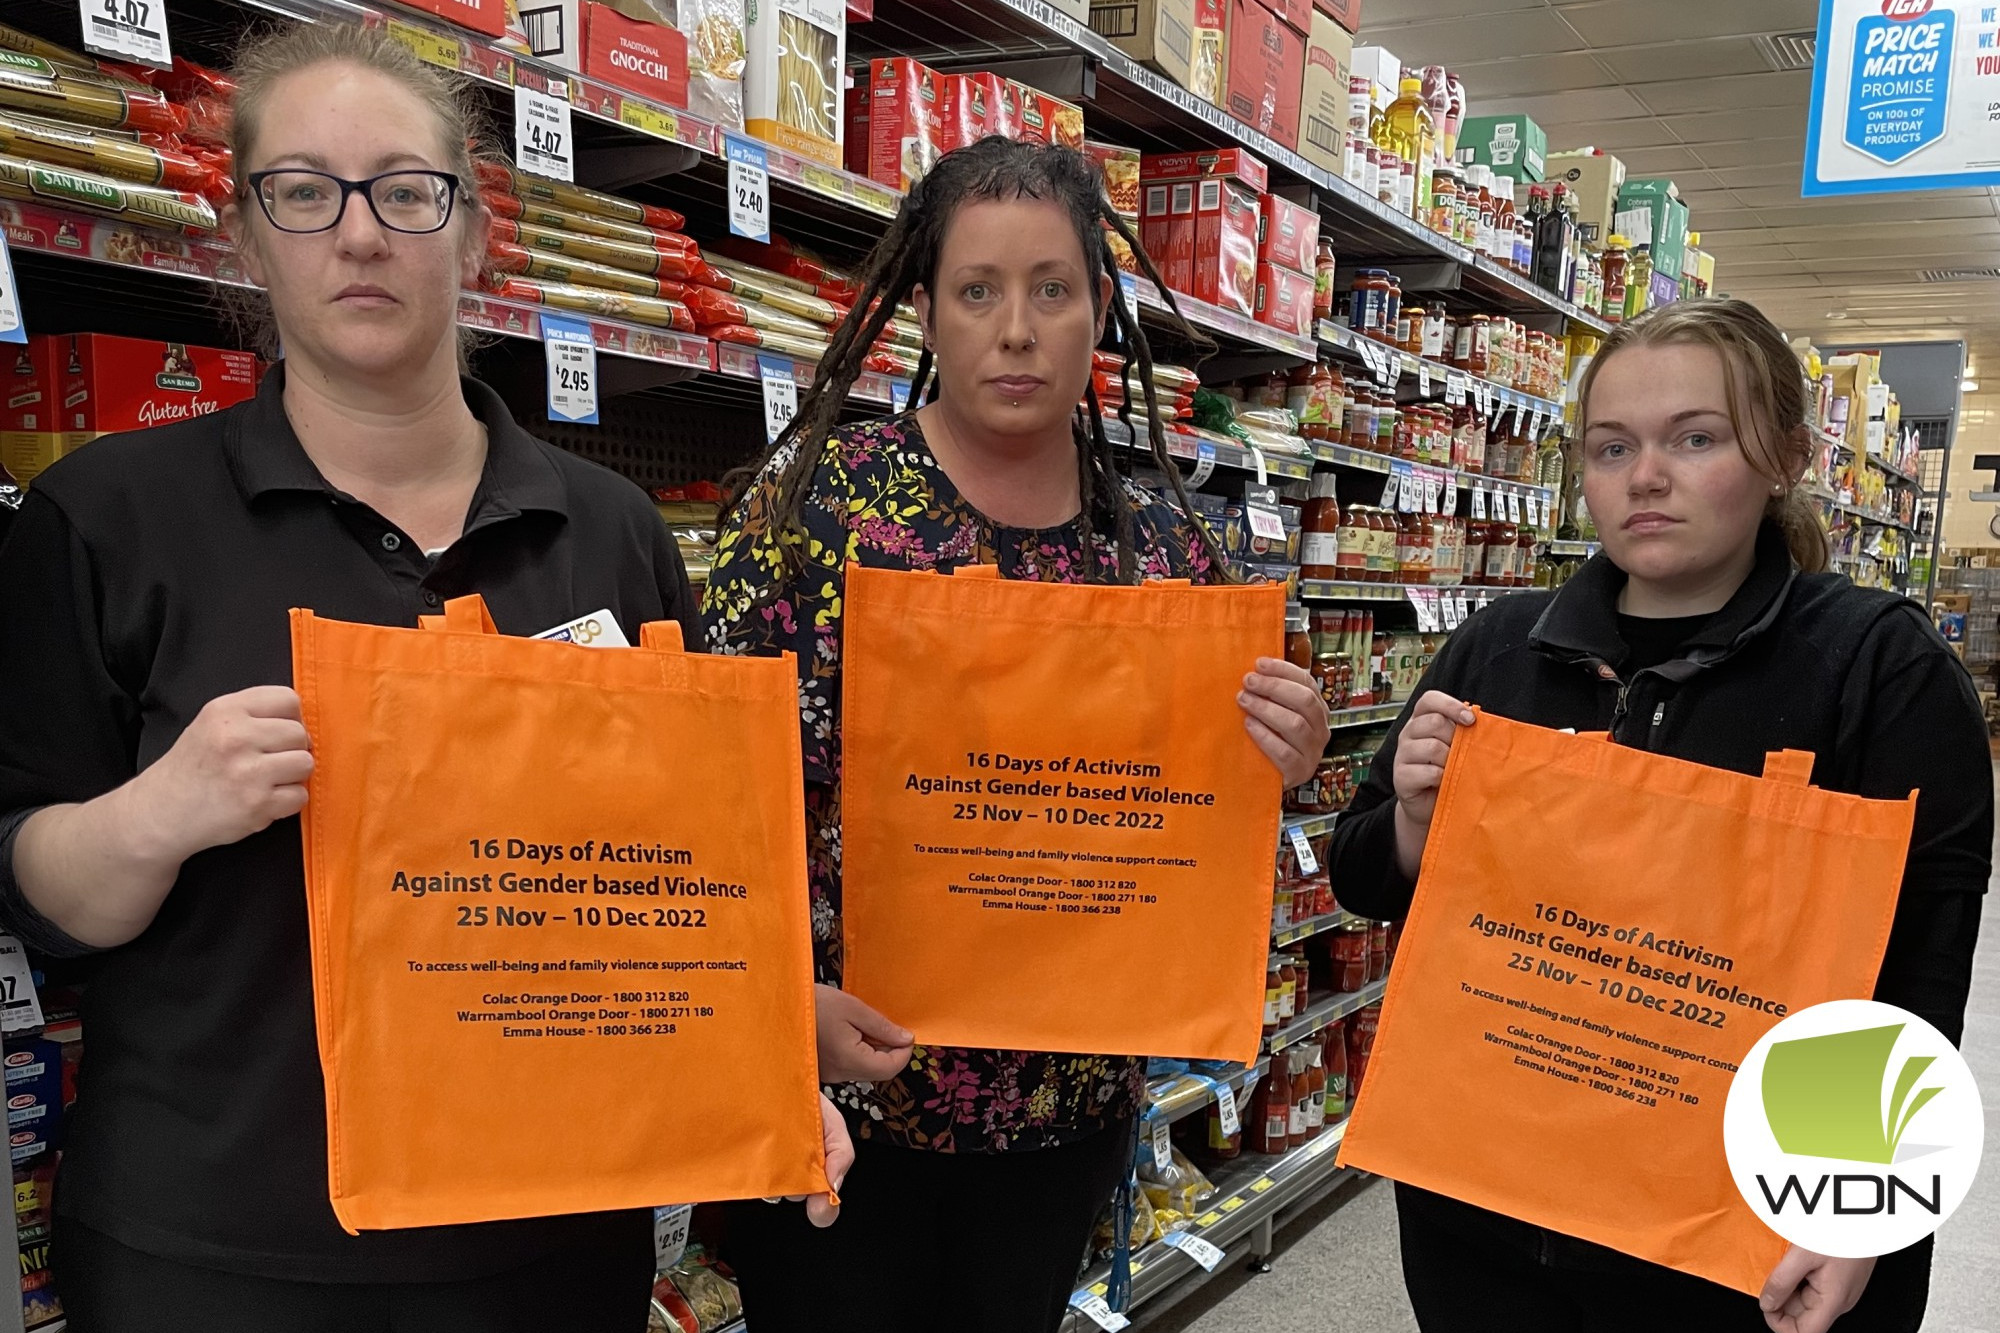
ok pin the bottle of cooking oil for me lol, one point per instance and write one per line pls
(1639, 281)
(1414, 131)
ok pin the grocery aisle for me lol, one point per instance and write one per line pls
(1337, 1270)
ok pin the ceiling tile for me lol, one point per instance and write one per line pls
(1733, 126)
(1843, 212)
(1685, 60)
(1752, 177)
(1586, 106)
(1835, 235)
(1629, 22)
(1886, 247)
(1531, 74)
(1889, 271)
(1659, 161)
(1726, 219)
(1750, 152)
(1613, 136)
(1483, 36)
(1384, 14)
(1746, 91)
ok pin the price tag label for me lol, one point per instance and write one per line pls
(12, 330)
(1390, 490)
(543, 143)
(1464, 610)
(648, 119)
(430, 47)
(1485, 600)
(1426, 607)
(670, 1234)
(1130, 286)
(1097, 1312)
(749, 188)
(1389, 368)
(1266, 523)
(1454, 390)
(20, 1006)
(1432, 486)
(128, 29)
(1302, 849)
(572, 363)
(1452, 618)
(899, 396)
(1407, 497)
(1225, 1107)
(1533, 510)
(1163, 1147)
(781, 395)
(1541, 420)
(1205, 1253)
(1204, 465)
(1257, 462)
(1478, 503)
(1513, 507)
(1424, 378)
(1449, 504)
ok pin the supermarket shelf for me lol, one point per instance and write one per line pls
(1364, 716)
(1583, 550)
(1195, 449)
(1827, 438)
(1246, 1200)
(1439, 376)
(1334, 590)
(1326, 1012)
(1867, 515)
(1305, 930)
(1366, 460)
(1230, 325)
(1181, 1096)
(1312, 826)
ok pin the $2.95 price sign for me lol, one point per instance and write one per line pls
(781, 395)
(572, 364)
(128, 29)
(749, 189)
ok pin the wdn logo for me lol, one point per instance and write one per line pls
(1818, 1128)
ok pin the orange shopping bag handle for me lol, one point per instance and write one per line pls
(976, 572)
(468, 615)
(1793, 767)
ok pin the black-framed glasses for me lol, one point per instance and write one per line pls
(296, 200)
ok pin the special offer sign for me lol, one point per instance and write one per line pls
(1906, 96)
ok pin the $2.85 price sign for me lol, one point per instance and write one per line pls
(128, 29)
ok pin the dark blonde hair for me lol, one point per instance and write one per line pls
(1760, 366)
(271, 56)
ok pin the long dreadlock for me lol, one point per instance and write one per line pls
(906, 256)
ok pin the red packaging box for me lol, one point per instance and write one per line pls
(1287, 234)
(1202, 235)
(1284, 300)
(1297, 14)
(854, 143)
(1048, 119)
(27, 385)
(965, 113)
(1347, 13)
(1004, 97)
(860, 11)
(649, 59)
(487, 16)
(113, 384)
(1120, 166)
(903, 127)
(1232, 162)
(1266, 71)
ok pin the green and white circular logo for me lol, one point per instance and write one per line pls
(1853, 1129)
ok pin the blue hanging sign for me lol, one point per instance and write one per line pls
(1906, 96)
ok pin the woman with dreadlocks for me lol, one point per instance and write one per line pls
(1001, 250)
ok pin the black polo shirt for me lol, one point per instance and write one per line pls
(145, 575)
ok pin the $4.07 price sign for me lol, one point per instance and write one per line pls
(749, 189)
(543, 142)
(128, 29)
(572, 362)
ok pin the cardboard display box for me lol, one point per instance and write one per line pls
(1287, 234)
(1284, 300)
(1659, 199)
(1202, 235)
(802, 115)
(1323, 103)
(1513, 146)
(1347, 13)
(599, 42)
(1594, 180)
(1266, 67)
(1181, 39)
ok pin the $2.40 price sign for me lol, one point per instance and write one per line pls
(572, 365)
(128, 29)
(749, 189)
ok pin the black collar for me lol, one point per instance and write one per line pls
(1581, 624)
(265, 455)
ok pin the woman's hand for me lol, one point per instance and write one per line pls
(239, 767)
(1421, 752)
(1286, 716)
(1806, 1292)
(821, 1209)
(856, 1044)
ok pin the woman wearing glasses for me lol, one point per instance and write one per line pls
(152, 755)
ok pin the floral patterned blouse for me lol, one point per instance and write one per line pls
(879, 497)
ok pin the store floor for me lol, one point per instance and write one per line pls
(1337, 1269)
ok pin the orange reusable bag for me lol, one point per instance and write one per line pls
(1599, 936)
(558, 916)
(1046, 790)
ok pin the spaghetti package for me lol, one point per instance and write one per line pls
(711, 308)
(792, 84)
(507, 257)
(598, 250)
(658, 312)
(535, 214)
(781, 256)
(768, 340)
(108, 152)
(498, 178)
(30, 83)
(27, 44)
(716, 58)
(141, 205)
(780, 293)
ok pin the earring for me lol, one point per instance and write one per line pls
(1777, 489)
